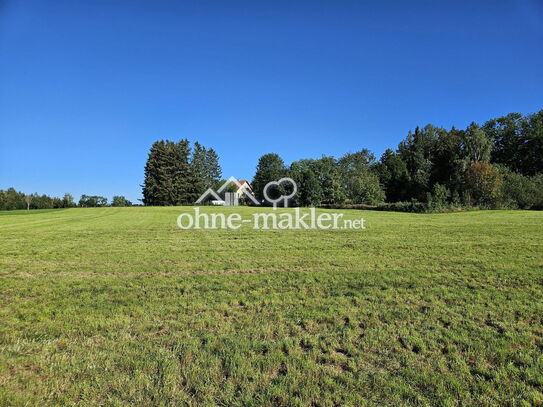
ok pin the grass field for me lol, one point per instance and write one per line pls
(117, 306)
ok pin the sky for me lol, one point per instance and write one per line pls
(87, 86)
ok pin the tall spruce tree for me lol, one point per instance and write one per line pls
(169, 177)
(153, 176)
(213, 171)
(199, 167)
(184, 179)
(175, 177)
(206, 168)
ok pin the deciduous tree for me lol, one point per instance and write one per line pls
(270, 167)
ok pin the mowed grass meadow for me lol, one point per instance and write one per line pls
(118, 306)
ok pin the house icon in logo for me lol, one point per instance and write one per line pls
(230, 198)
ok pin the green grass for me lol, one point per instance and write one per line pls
(117, 306)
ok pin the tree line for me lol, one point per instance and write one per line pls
(497, 165)
(11, 199)
(176, 174)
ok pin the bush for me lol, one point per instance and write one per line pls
(520, 191)
(365, 189)
(92, 201)
(483, 185)
(119, 200)
(347, 205)
(437, 199)
(413, 206)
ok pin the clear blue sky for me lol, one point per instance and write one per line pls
(86, 86)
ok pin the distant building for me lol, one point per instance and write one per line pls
(242, 191)
(231, 193)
